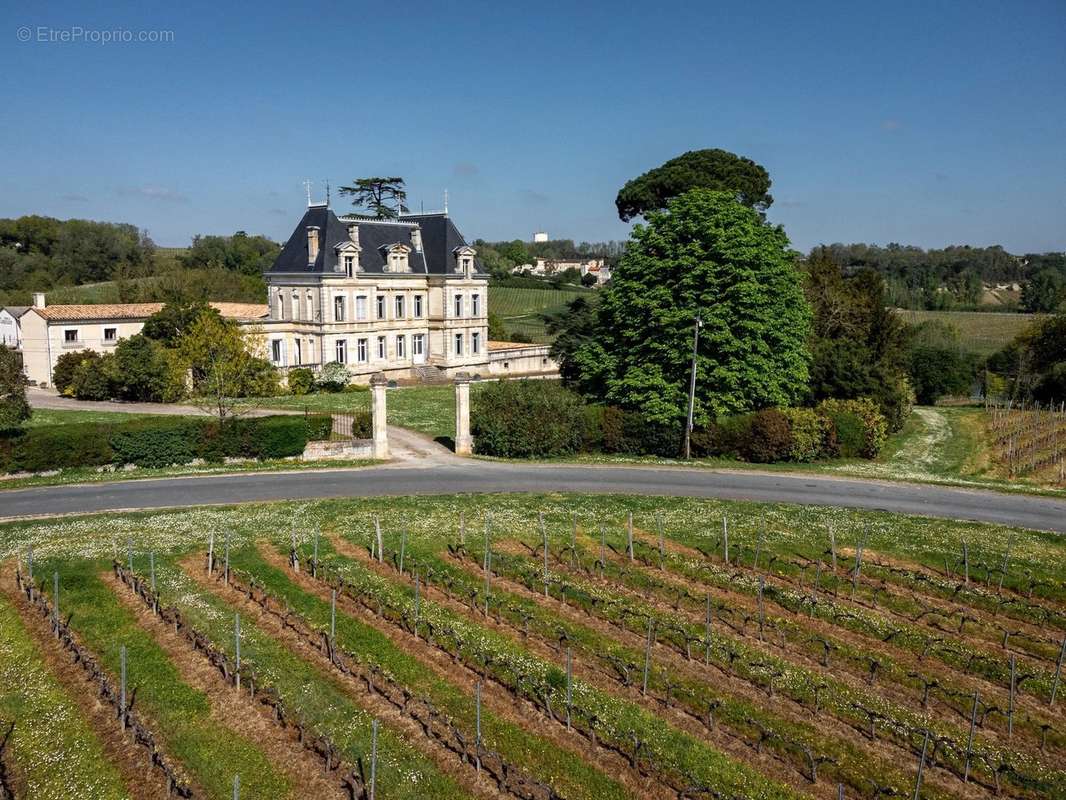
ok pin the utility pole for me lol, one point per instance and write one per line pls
(692, 388)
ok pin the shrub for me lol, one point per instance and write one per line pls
(92, 379)
(770, 438)
(526, 418)
(61, 446)
(319, 427)
(362, 425)
(66, 364)
(261, 379)
(141, 370)
(356, 388)
(333, 377)
(153, 442)
(626, 431)
(874, 426)
(812, 434)
(156, 443)
(850, 431)
(301, 381)
(592, 429)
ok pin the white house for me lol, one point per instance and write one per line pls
(49, 331)
(11, 325)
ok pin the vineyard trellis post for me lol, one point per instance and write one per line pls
(647, 656)
(237, 649)
(1010, 706)
(569, 685)
(603, 550)
(314, 558)
(659, 528)
(122, 685)
(477, 713)
(403, 548)
(236, 787)
(226, 577)
(211, 551)
(969, 740)
(377, 534)
(725, 538)
(629, 535)
(462, 529)
(1058, 672)
(573, 540)
(55, 600)
(373, 757)
(417, 602)
(921, 766)
(29, 568)
(544, 537)
(833, 546)
(707, 633)
(333, 616)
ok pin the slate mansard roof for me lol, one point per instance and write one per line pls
(440, 238)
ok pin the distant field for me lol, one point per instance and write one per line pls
(980, 332)
(520, 309)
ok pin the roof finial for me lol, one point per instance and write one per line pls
(445, 201)
(307, 186)
(327, 192)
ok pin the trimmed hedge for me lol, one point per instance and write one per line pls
(156, 443)
(524, 419)
(521, 419)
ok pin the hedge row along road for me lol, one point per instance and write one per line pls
(457, 476)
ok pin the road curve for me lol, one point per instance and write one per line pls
(459, 476)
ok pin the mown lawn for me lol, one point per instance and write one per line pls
(49, 416)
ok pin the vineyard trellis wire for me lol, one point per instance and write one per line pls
(1028, 437)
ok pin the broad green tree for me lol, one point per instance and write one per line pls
(169, 323)
(13, 406)
(709, 256)
(719, 170)
(380, 196)
(1044, 291)
(226, 365)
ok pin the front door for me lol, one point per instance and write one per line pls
(418, 348)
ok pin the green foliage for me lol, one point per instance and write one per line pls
(319, 427)
(157, 442)
(708, 255)
(938, 371)
(1044, 291)
(874, 425)
(497, 333)
(63, 371)
(93, 378)
(170, 323)
(951, 277)
(523, 419)
(813, 435)
(713, 169)
(142, 371)
(225, 367)
(378, 196)
(240, 253)
(770, 438)
(588, 279)
(629, 432)
(858, 343)
(151, 443)
(301, 380)
(14, 409)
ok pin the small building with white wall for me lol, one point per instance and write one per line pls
(11, 326)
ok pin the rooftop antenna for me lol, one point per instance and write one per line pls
(327, 192)
(307, 186)
(445, 202)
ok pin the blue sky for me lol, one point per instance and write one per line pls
(925, 123)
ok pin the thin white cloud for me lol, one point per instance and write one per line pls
(891, 125)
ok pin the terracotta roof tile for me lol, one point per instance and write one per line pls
(135, 311)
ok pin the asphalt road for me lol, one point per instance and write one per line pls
(458, 476)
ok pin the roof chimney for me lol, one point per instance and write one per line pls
(353, 233)
(38, 300)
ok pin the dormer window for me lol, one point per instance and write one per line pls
(349, 265)
(396, 257)
(464, 260)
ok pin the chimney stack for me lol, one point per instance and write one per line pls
(353, 233)
(38, 300)
(312, 244)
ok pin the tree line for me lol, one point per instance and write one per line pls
(41, 254)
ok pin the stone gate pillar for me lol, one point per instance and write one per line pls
(464, 443)
(378, 383)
